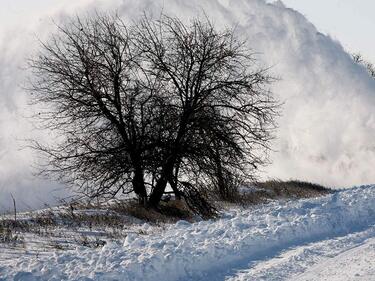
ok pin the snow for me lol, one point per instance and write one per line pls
(326, 128)
(216, 249)
(325, 135)
(360, 261)
(307, 260)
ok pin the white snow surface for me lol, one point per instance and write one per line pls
(360, 261)
(222, 248)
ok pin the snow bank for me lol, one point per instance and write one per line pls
(197, 251)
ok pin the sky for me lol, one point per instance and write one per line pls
(13, 12)
(348, 21)
(352, 22)
(18, 12)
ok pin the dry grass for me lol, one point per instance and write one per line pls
(85, 225)
(262, 192)
(10, 232)
(91, 225)
(168, 212)
(114, 216)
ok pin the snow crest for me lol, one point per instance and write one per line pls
(198, 251)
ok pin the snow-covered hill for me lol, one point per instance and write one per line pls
(244, 244)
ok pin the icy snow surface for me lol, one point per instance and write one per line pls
(306, 230)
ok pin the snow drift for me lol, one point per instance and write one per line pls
(201, 250)
(327, 126)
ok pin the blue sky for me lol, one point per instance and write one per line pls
(349, 21)
(352, 22)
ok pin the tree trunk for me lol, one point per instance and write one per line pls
(167, 170)
(222, 184)
(158, 192)
(139, 186)
(161, 184)
(173, 181)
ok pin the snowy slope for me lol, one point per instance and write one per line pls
(210, 250)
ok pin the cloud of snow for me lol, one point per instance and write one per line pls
(328, 123)
(326, 131)
(17, 163)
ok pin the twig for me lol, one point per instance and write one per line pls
(15, 208)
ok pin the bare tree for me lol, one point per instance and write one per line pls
(358, 58)
(220, 98)
(156, 103)
(88, 74)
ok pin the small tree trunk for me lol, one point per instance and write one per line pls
(222, 181)
(14, 209)
(173, 181)
(139, 186)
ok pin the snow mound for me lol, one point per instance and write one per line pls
(186, 251)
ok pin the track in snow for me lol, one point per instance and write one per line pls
(350, 257)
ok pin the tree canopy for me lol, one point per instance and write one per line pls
(153, 104)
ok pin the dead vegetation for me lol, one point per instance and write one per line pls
(262, 192)
(167, 212)
(84, 224)
(62, 228)
(91, 225)
(10, 234)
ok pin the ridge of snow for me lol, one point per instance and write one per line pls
(196, 251)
